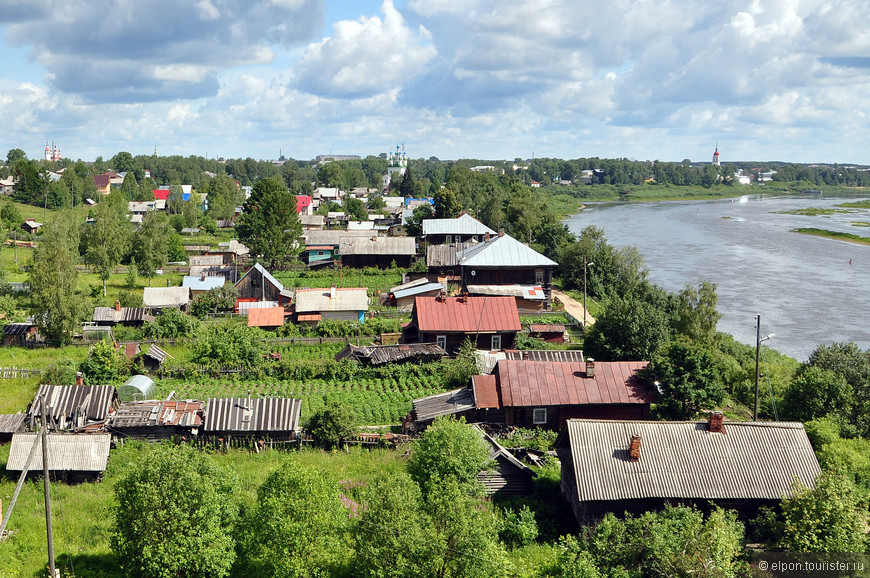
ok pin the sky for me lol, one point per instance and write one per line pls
(663, 80)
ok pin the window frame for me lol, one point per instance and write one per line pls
(493, 342)
(537, 412)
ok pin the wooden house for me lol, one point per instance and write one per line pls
(117, 315)
(155, 420)
(547, 393)
(17, 334)
(502, 260)
(459, 230)
(443, 260)
(637, 466)
(344, 304)
(549, 332)
(402, 296)
(73, 406)
(31, 226)
(491, 323)
(274, 418)
(375, 251)
(72, 458)
(257, 284)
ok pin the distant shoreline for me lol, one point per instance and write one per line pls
(848, 237)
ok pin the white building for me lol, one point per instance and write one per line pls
(398, 163)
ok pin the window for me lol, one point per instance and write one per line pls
(539, 415)
(539, 277)
(474, 238)
(441, 340)
(448, 238)
(496, 342)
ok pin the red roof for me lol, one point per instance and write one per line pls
(546, 328)
(466, 315)
(161, 194)
(543, 383)
(266, 317)
(485, 391)
(102, 181)
(302, 202)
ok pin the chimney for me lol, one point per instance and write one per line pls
(443, 295)
(716, 423)
(486, 237)
(634, 448)
(117, 305)
(332, 291)
(202, 278)
(80, 380)
(501, 231)
(590, 367)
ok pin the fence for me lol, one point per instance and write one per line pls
(14, 372)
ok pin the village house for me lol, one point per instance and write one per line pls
(117, 315)
(258, 288)
(374, 251)
(548, 393)
(501, 264)
(105, 181)
(31, 226)
(442, 261)
(638, 466)
(18, 334)
(459, 230)
(345, 304)
(488, 322)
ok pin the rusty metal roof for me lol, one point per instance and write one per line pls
(448, 403)
(466, 314)
(751, 460)
(266, 317)
(543, 383)
(156, 414)
(66, 452)
(249, 415)
(485, 391)
(571, 355)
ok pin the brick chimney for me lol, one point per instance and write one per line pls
(202, 278)
(634, 448)
(117, 305)
(501, 231)
(716, 424)
(80, 379)
(486, 237)
(590, 367)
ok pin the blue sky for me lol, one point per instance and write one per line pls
(490, 79)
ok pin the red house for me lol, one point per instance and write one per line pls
(161, 194)
(303, 202)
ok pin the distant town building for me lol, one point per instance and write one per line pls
(716, 156)
(398, 163)
(52, 153)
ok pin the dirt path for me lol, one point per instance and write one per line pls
(573, 307)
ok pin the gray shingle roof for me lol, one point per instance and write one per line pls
(447, 403)
(751, 460)
(503, 251)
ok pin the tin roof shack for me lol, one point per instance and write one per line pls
(491, 323)
(374, 251)
(73, 406)
(73, 458)
(381, 354)
(274, 418)
(117, 315)
(508, 476)
(260, 285)
(459, 230)
(547, 393)
(346, 304)
(502, 260)
(636, 466)
(403, 296)
(549, 332)
(10, 424)
(18, 334)
(156, 420)
(156, 298)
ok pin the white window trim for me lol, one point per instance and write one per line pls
(493, 342)
(539, 277)
(441, 341)
(536, 413)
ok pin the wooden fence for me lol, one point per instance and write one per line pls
(15, 372)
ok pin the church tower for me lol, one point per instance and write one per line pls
(716, 156)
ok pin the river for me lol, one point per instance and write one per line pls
(808, 290)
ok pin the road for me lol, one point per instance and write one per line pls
(573, 307)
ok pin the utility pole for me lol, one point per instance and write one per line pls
(758, 340)
(47, 486)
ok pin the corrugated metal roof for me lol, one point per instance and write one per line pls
(158, 297)
(464, 224)
(568, 355)
(546, 383)
(199, 284)
(331, 237)
(346, 299)
(266, 317)
(684, 460)
(240, 414)
(155, 352)
(11, 423)
(446, 255)
(409, 284)
(529, 292)
(485, 390)
(467, 315)
(125, 315)
(17, 328)
(417, 290)
(448, 403)
(66, 452)
(92, 402)
(378, 246)
(152, 413)
(503, 251)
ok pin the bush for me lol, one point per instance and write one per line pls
(229, 343)
(61, 373)
(332, 423)
(519, 528)
(130, 298)
(105, 365)
(171, 324)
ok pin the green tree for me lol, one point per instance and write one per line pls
(105, 365)
(332, 423)
(270, 226)
(150, 244)
(15, 155)
(171, 324)
(175, 514)
(449, 448)
(406, 186)
(228, 343)
(414, 225)
(689, 379)
(297, 527)
(56, 303)
(355, 209)
(224, 195)
(815, 392)
(11, 216)
(629, 330)
(853, 364)
(696, 315)
(447, 205)
(107, 239)
(376, 203)
(827, 518)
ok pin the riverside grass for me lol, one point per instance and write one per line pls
(836, 235)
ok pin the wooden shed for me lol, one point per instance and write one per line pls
(10, 424)
(71, 457)
(508, 476)
(273, 418)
